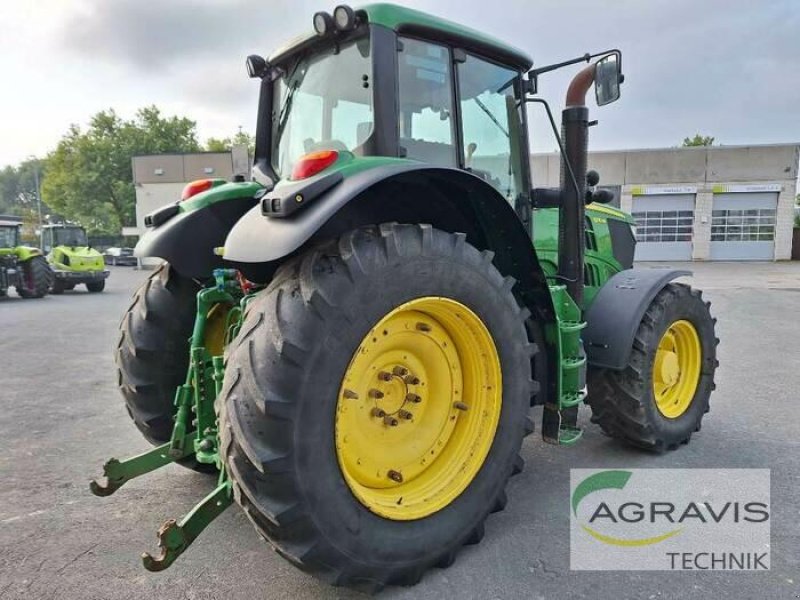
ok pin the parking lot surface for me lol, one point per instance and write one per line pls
(61, 417)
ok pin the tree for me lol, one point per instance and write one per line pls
(242, 138)
(88, 177)
(18, 188)
(698, 140)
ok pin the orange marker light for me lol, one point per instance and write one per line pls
(195, 187)
(313, 163)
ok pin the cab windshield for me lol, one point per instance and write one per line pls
(8, 237)
(69, 236)
(323, 101)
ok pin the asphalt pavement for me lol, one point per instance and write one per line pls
(61, 417)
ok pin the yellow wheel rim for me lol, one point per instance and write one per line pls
(418, 408)
(215, 333)
(676, 369)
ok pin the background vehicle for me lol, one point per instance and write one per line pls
(119, 256)
(72, 259)
(21, 267)
(395, 298)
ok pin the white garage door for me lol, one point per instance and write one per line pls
(664, 226)
(743, 226)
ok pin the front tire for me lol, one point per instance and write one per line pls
(37, 278)
(293, 382)
(96, 286)
(659, 400)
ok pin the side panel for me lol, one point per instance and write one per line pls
(616, 312)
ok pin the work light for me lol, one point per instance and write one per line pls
(344, 17)
(323, 23)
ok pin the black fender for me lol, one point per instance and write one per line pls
(617, 311)
(187, 239)
(447, 198)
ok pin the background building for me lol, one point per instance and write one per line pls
(160, 178)
(704, 203)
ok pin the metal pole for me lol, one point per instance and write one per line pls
(38, 190)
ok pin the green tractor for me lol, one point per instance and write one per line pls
(21, 267)
(353, 340)
(73, 260)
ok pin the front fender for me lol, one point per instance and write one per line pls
(617, 311)
(186, 234)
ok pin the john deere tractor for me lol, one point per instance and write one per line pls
(21, 267)
(372, 317)
(73, 260)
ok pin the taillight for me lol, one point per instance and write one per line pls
(195, 187)
(313, 163)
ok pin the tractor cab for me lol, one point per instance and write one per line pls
(9, 234)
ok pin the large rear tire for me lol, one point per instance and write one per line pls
(659, 400)
(348, 340)
(153, 352)
(37, 278)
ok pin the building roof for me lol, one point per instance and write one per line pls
(10, 223)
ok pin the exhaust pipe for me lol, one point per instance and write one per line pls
(572, 213)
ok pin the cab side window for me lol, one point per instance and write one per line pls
(425, 96)
(491, 124)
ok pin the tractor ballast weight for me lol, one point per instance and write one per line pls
(394, 287)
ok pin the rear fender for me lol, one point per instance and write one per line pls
(374, 190)
(185, 234)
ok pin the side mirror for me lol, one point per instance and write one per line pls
(607, 77)
(257, 66)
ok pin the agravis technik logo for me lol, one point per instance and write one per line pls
(673, 519)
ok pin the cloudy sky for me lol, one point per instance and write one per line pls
(727, 68)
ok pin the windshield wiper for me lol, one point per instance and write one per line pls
(283, 117)
(490, 115)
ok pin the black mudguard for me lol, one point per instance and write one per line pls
(617, 310)
(187, 240)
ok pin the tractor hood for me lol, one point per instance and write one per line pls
(76, 258)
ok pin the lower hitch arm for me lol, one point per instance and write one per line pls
(117, 472)
(175, 537)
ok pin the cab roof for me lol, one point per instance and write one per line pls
(408, 21)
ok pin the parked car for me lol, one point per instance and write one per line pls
(119, 256)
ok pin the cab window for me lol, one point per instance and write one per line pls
(425, 97)
(491, 125)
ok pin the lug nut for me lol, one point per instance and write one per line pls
(413, 398)
(395, 476)
(423, 327)
(390, 421)
(400, 371)
(377, 394)
(384, 376)
(378, 412)
(411, 380)
(460, 406)
(404, 414)
(350, 394)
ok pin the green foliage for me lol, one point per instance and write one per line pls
(225, 144)
(698, 140)
(88, 177)
(18, 188)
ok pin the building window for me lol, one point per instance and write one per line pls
(749, 225)
(664, 226)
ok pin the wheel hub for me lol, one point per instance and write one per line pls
(677, 369)
(418, 408)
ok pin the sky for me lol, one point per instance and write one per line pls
(726, 68)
